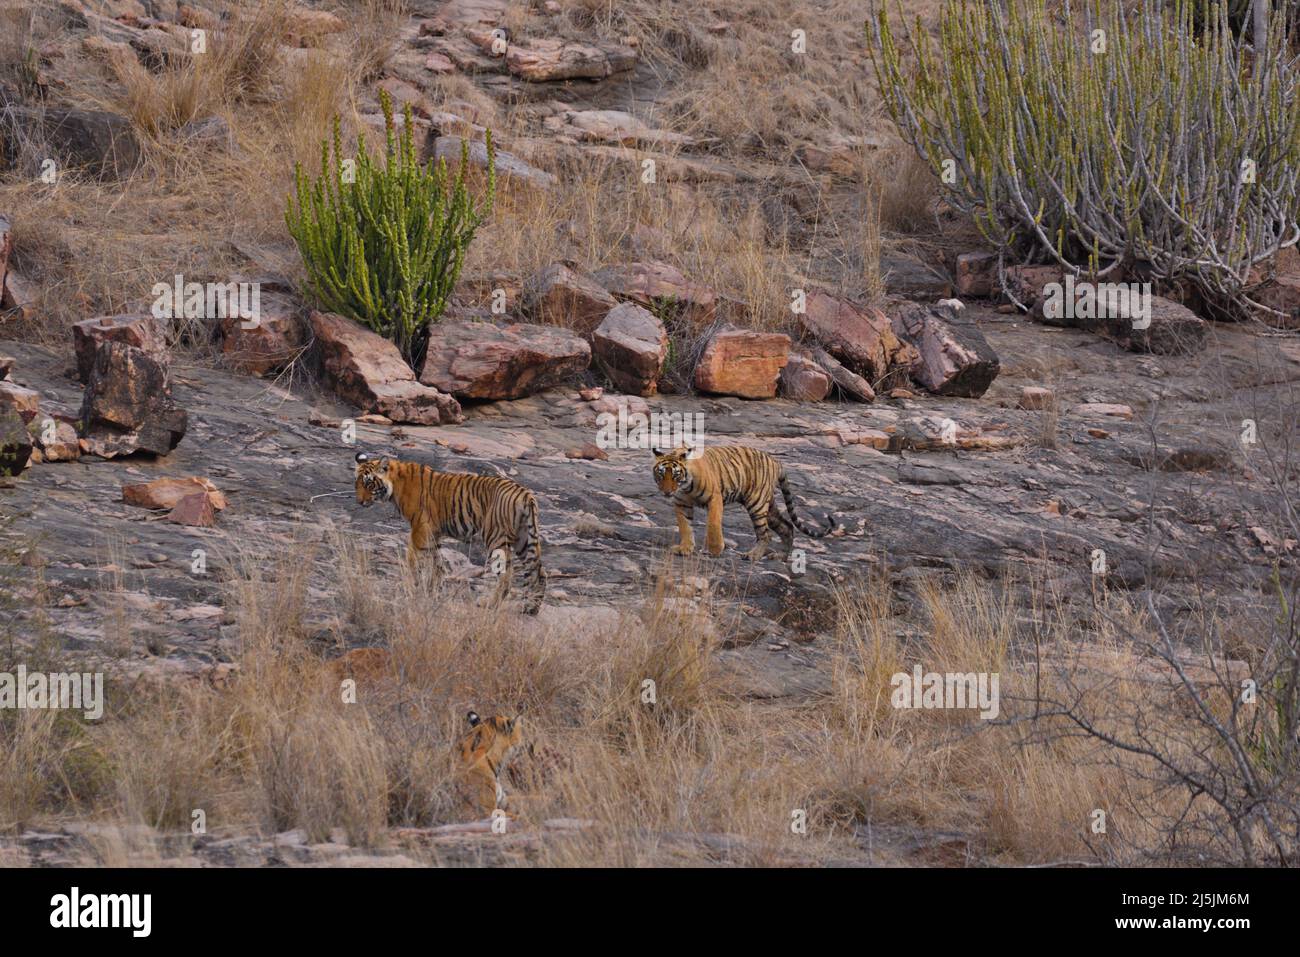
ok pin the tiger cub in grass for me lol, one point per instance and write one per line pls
(498, 512)
(722, 474)
(483, 755)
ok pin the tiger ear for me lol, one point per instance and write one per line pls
(362, 457)
(473, 719)
(659, 453)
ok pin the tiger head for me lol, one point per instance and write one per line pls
(671, 473)
(492, 738)
(373, 483)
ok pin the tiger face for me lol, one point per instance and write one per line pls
(670, 471)
(373, 483)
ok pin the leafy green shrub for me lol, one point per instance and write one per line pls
(1108, 135)
(385, 245)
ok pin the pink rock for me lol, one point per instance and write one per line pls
(367, 370)
(478, 360)
(803, 379)
(742, 362)
(630, 347)
(194, 509)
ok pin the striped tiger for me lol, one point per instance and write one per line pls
(498, 512)
(718, 475)
(483, 754)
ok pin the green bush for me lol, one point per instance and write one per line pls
(1108, 135)
(385, 245)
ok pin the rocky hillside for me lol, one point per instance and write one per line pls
(164, 467)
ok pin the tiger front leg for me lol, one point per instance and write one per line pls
(420, 538)
(500, 566)
(686, 537)
(713, 529)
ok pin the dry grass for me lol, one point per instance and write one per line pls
(655, 748)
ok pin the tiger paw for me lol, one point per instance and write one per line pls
(682, 549)
(758, 553)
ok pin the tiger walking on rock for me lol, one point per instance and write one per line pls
(498, 512)
(722, 474)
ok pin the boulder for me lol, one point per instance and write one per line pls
(478, 360)
(612, 126)
(952, 355)
(1026, 282)
(803, 379)
(103, 144)
(56, 438)
(977, 275)
(630, 347)
(742, 362)
(15, 443)
(507, 165)
(850, 383)
(1035, 398)
(365, 369)
(838, 154)
(266, 344)
(128, 405)
(139, 330)
(195, 509)
(167, 492)
(656, 285)
(304, 26)
(25, 403)
(861, 337)
(1125, 313)
(18, 297)
(551, 59)
(562, 294)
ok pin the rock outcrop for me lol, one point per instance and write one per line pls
(479, 360)
(368, 371)
(128, 406)
(139, 330)
(630, 347)
(742, 362)
(952, 355)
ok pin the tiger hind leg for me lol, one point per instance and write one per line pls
(759, 514)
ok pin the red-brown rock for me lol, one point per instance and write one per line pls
(861, 337)
(562, 294)
(977, 275)
(266, 344)
(25, 402)
(477, 360)
(630, 347)
(743, 363)
(367, 370)
(196, 509)
(168, 492)
(550, 59)
(656, 285)
(142, 331)
(803, 379)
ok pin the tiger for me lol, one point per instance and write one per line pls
(714, 476)
(483, 755)
(498, 512)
